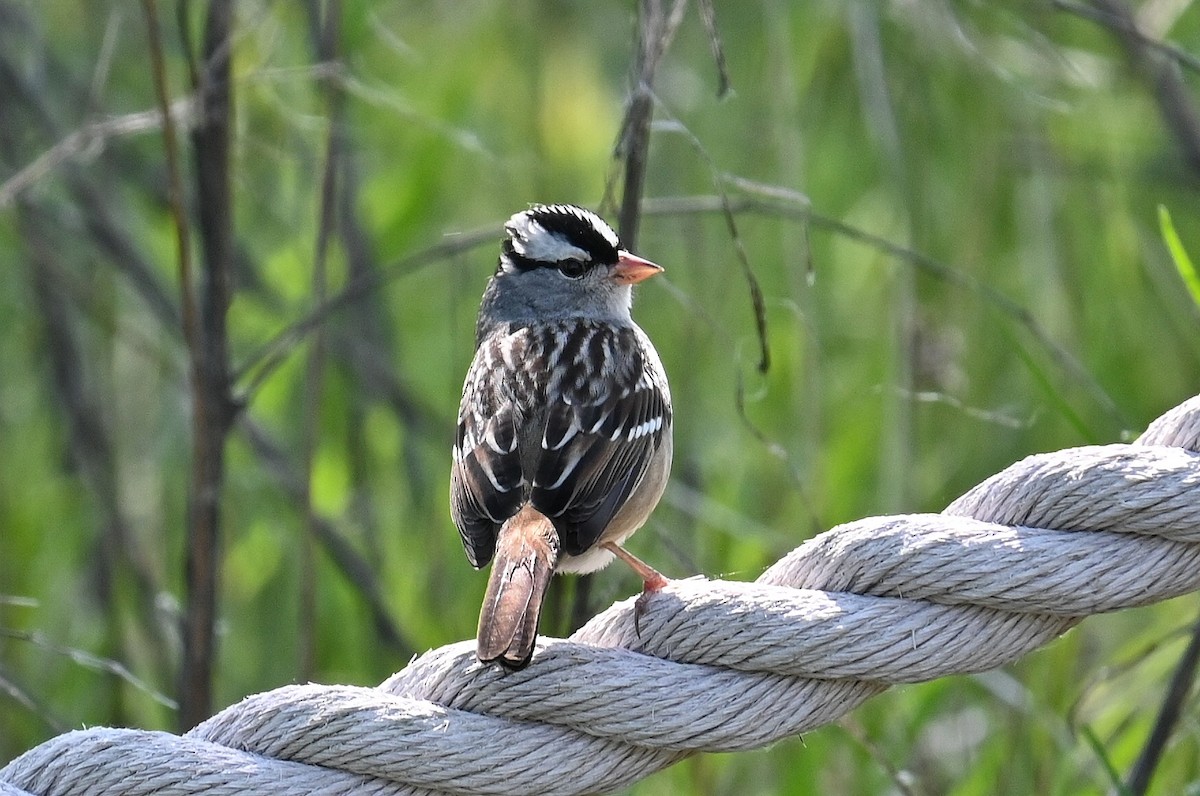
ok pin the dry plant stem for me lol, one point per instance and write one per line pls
(31, 703)
(757, 301)
(708, 15)
(1160, 70)
(357, 569)
(82, 142)
(1168, 717)
(211, 145)
(776, 203)
(195, 687)
(314, 374)
(88, 660)
(1180, 56)
(637, 141)
(655, 31)
(1159, 67)
(205, 333)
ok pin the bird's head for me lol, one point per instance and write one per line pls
(562, 261)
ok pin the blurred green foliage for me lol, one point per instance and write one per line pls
(1008, 151)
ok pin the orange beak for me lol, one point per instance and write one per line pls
(631, 269)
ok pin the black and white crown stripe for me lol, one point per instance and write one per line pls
(549, 234)
(540, 214)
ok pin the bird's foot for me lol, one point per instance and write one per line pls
(652, 581)
(649, 587)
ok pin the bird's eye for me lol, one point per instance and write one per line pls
(571, 268)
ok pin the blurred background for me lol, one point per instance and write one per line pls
(944, 251)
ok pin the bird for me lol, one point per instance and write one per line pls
(563, 444)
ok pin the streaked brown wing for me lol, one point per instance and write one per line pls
(598, 435)
(599, 440)
(486, 482)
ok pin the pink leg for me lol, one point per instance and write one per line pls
(652, 580)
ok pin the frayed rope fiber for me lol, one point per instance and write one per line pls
(718, 665)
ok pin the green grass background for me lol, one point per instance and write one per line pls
(1008, 154)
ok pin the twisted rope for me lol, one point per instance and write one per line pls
(718, 666)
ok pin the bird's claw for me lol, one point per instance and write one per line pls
(649, 587)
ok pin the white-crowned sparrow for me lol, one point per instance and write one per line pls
(564, 430)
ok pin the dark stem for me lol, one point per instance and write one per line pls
(637, 150)
(194, 678)
(211, 145)
(764, 201)
(1169, 712)
(655, 31)
(90, 442)
(205, 333)
(1159, 67)
(356, 569)
(329, 25)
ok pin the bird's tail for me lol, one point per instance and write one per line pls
(526, 554)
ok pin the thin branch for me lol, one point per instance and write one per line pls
(205, 333)
(757, 302)
(211, 141)
(708, 15)
(183, 245)
(1127, 25)
(31, 703)
(259, 366)
(656, 31)
(774, 203)
(1158, 68)
(88, 661)
(195, 687)
(89, 141)
(992, 417)
(357, 569)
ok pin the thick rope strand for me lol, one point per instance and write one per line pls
(718, 666)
